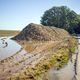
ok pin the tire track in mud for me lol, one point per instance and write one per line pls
(12, 67)
(77, 61)
(28, 61)
(21, 66)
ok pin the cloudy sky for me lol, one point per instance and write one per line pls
(16, 14)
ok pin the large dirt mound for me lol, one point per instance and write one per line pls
(40, 32)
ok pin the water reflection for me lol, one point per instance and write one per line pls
(74, 78)
(66, 73)
(8, 47)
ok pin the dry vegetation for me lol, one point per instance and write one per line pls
(52, 54)
(46, 47)
(41, 33)
(8, 33)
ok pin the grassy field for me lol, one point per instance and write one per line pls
(8, 32)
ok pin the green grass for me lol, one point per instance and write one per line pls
(72, 44)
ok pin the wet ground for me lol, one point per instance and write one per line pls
(14, 58)
(66, 73)
(71, 71)
(78, 61)
(8, 47)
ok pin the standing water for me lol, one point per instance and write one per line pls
(66, 73)
(78, 60)
(8, 47)
(71, 71)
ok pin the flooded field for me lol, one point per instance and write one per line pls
(8, 47)
(14, 58)
(66, 73)
(71, 71)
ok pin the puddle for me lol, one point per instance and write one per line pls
(71, 71)
(66, 73)
(8, 47)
